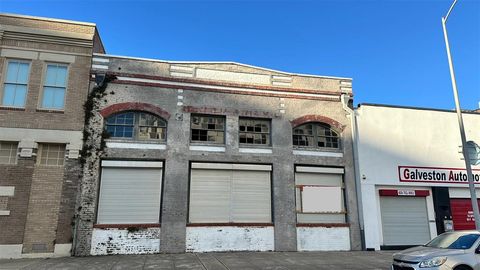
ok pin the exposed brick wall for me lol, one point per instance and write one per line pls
(44, 204)
(71, 178)
(46, 24)
(317, 118)
(19, 176)
(134, 106)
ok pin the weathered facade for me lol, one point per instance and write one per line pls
(45, 66)
(187, 156)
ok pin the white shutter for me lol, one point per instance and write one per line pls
(210, 196)
(251, 194)
(404, 220)
(223, 193)
(129, 195)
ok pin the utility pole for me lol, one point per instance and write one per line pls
(465, 151)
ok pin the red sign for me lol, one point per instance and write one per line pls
(436, 175)
(404, 192)
(462, 214)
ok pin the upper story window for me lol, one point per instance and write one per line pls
(207, 128)
(316, 135)
(136, 125)
(51, 154)
(54, 87)
(15, 84)
(254, 131)
(8, 152)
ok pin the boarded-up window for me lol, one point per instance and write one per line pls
(319, 195)
(130, 192)
(230, 193)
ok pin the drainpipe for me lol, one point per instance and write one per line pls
(353, 121)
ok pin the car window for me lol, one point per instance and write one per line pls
(453, 241)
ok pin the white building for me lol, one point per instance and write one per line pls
(413, 178)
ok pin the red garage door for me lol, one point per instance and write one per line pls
(462, 214)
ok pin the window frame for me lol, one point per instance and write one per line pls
(316, 137)
(136, 127)
(209, 142)
(43, 81)
(4, 79)
(246, 145)
(15, 159)
(40, 150)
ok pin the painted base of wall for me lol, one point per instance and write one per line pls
(10, 251)
(228, 238)
(323, 239)
(15, 252)
(121, 241)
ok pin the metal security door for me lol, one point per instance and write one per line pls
(404, 221)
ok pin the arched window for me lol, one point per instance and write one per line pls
(316, 135)
(136, 125)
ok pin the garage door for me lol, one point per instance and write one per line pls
(226, 193)
(130, 192)
(404, 221)
(462, 214)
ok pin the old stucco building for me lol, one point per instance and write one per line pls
(215, 156)
(45, 66)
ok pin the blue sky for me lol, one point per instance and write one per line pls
(393, 50)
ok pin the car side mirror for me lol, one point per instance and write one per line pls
(477, 250)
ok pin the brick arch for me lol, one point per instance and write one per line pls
(134, 106)
(317, 118)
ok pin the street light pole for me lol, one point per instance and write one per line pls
(471, 184)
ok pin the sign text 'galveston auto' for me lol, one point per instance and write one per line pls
(435, 175)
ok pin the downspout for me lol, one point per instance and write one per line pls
(345, 98)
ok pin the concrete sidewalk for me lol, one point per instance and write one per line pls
(360, 260)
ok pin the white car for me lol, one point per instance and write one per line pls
(458, 250)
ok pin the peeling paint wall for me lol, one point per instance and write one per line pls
(220, 238)
(322, 239)
(121, 241)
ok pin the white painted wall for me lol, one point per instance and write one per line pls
(391, 137)
(229, 238)
(323, 239)
(121, 241)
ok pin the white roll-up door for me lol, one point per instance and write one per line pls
(226, 193)
(129, 194)
(404, 220)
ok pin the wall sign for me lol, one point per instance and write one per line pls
(436, 175)
(404, 192)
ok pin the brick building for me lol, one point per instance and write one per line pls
(45, 65)
(215, 156)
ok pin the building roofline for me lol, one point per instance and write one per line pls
(413, 108)
(46, 19)
(220, 62)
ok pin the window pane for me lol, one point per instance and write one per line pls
(51, 75)
(51, 154)
(59, 98)
(20, 93)
(48, 97)
(12, 71)
(23, 73)
(61, 76)
(9, 95)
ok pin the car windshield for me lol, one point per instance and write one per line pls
(453, 240)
